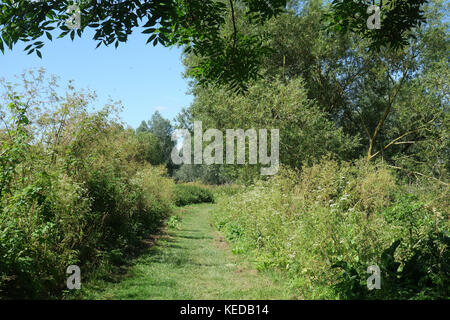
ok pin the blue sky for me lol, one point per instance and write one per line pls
(143, 77)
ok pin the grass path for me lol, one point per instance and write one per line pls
(192, 261)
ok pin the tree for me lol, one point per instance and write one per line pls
(161, 129)
(305, 132)
(143, 127)
(393, 100)
(398, 18)
(150, 148)
(194, 24)
(368, 92)
(227, 56)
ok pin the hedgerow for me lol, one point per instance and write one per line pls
(73, 191)
(324, 226)
(189, 193)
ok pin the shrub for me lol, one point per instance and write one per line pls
(191, 193)
(227, 190)
(334, 217)
(74, 190)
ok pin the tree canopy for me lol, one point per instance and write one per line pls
(227, 56)
(398, 18)
(328, 94)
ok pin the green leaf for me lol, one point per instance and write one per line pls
(153, 36)
(150, 30)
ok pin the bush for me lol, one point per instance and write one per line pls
(191, 193)
(73, 190)
(416, 265)
(227, 190)
(335, 217)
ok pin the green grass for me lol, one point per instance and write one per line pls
(190, 261)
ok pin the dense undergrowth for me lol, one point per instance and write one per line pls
(77, 196)
(326, 225)
(188, 193)
(78, 187)
(75, 189)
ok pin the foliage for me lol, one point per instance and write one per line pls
(227, 190)
(162, 130)
(342, 215)
(305, 132)
(423, 275)
(189, 193)
(174, 222)
(13, 144)
(195, 24)
(77, 187)
(328, 94)
(331, 96)
(75, 190)
(398, 19)
(208, 174)
(150, 148)
(209, 29)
